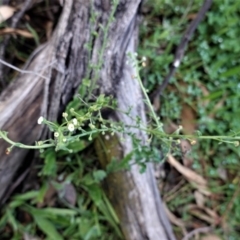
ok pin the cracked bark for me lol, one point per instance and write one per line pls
(134, 196)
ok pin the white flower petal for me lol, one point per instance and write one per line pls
(40, 120)
(75, 121)
(70, 127)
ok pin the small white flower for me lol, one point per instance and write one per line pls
(135, 54)
(64, 140)
(193, 142)
(144, 59)
(75, 122)
(91, 126)
(56, 134)
(236, 143)
(64, 114)
(40, 120)
(176, 63)
(70, 127)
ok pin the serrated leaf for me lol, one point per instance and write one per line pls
(116, 165)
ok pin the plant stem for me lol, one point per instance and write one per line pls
(3, 135)
(156, 119)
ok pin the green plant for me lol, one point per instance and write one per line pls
(80, 127)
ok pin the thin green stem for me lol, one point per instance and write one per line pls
(3, 135)
(156, 119)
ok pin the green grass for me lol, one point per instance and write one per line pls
(208, 77)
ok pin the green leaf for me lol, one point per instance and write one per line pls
(42, 192)
(59, 211)
(99, 175)
(48, 228)
(92, 233)
(143, 167)
(88, 179)
(12, 221)
(75, 147)
(27, 196)
(231, 72)
(16, 203)
(50, 167)
(3, 221)
(34, 33)
(95, 193)
(116, 165)
(86, 82)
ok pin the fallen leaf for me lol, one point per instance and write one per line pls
(199, 198)
(6, 12)
(191, 16)
(222, 172)
(204, 213)
(186, 172)
(199, 214)
(69, 194)
(212, 214)
(218, 106)
(49, 198)
(205, 92)
(49, 29)
(23, 33)
(211, 237)
(170, 127)
(27, 236)
(188, 119)
(156, 103)
(203, 189)
(174, 220)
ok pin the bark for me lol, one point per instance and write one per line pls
(134, 196)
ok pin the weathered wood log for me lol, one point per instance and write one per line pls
(63, 62)
(22, 101)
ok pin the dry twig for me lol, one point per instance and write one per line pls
(197, 231)
(182, 47)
